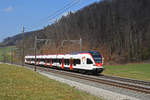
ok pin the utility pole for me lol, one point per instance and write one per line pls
(23, 46)
(11, 56)
(35, 47)
(80, 44)
(4, 59)
(4, 56)
(14, 54)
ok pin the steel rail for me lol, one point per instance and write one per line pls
(134, 87)
(101, 81)
(140, 82)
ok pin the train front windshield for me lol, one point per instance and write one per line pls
(97, 57)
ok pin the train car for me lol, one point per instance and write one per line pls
(89, 61)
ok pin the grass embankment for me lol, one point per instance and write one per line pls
(22, 84)
(135, 71)
(6, 51)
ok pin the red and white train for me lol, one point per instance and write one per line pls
(90, 61)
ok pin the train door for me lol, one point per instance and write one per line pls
(62, 62)
(50, 62)
(71, 64)
(82, 64)
(45, 62)
(89, 63)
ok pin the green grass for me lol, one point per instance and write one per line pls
(23, 84)
(6, 51)
(135, 71)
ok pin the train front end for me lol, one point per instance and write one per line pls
(99, 60)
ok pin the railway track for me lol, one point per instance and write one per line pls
(130, 84)
(139, 82)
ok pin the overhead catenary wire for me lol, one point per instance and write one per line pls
(66, 6)
(39, 26)
(51, 17)
(65, 9)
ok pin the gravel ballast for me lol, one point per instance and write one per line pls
(108, 95)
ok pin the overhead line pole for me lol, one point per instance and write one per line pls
(15, 50)
(11, 56)
(23, 46)
(4, 55)
(79, 41)
(80, 44)
(35, 48)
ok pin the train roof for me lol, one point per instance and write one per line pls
(73, 53)
(91, 52)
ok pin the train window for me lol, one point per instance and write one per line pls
(58, 61)
(32, 59)
(54, 60)
(76, 61)
(66, 61)
(37, 59)
(28, 59)
(89, 61)
(42, 60)
(45, 60)
(48, 60)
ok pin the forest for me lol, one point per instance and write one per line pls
(118, 29)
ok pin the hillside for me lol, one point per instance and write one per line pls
(119, 29)
(11, 41)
